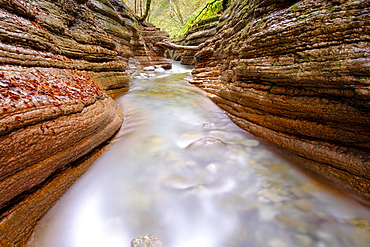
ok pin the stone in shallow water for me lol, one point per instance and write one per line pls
(271, 196)
(149, 68)
(250, 143)
(207, 148)
(304, 240)
(304, 204)
(146, 241)
(277, 243)
(158, 68)
(187, 137)
(209, 125)
(226, 136)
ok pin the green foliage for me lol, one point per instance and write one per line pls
(202, 16)
(178, 16)
(171, 15)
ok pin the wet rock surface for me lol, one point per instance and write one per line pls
(151, 182)
(296, 73)
(151, 54)
(194, 37)
(60, 60)
(146, 241)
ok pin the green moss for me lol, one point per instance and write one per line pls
(361, 77)
(294, 8)
(301, 18)
(245, 8)
(332, 9)
(201, 17)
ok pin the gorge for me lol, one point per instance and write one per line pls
(293, 73)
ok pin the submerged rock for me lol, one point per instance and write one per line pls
(146, 241)
(207, 149)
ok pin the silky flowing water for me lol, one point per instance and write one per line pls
(179, 169)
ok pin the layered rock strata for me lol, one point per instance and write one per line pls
(296, 73)
(58, 61)
(195, 37)
(154, 54)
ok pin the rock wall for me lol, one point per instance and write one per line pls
(151, 35)
(196, 37)
(59, 61)
(296, 73)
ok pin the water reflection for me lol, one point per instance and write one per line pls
(180, 170)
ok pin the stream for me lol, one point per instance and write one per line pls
(180, 170)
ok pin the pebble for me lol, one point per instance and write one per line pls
(304, 240)
(149, 68)
(209, 125)
(225, 135)
(279, 190)
(304, 204)
(268, 194)
(146, 241)
(158, 68)
(286, 220)
(213, 167)
(253, 162)
(298, 192)
(361, 231)
(250, 143)
(277, 243)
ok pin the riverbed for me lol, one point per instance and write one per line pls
(180, 170)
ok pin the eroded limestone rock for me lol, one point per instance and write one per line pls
(195, 37)
(154, 53)
(296, 73)
(59, 59)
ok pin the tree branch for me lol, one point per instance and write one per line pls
(168, 45)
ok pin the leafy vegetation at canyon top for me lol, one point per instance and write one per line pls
(177, 16)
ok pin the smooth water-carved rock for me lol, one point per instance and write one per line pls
(296, 73)
(49, 118)
(59, 62)
(154, 54)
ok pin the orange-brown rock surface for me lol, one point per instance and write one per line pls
(59, 61)
(195, 37)
(296, 73)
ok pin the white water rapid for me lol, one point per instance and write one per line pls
(179, 169)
